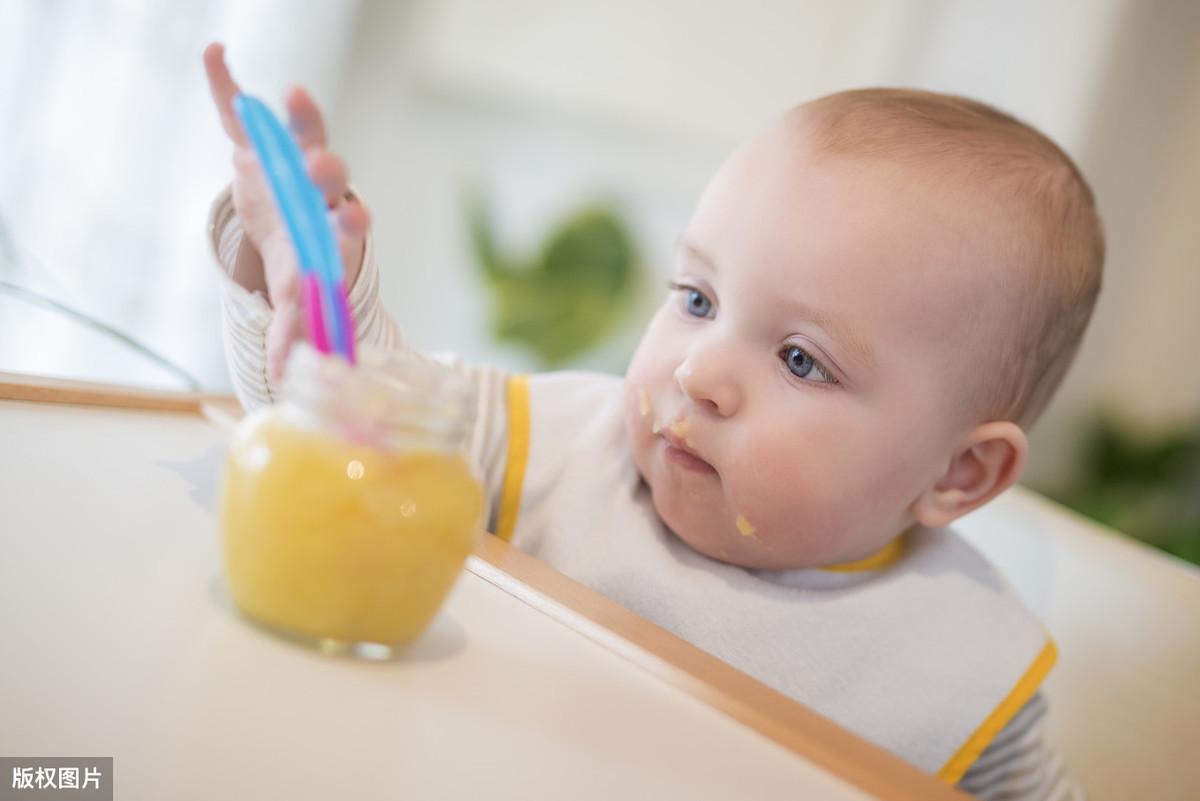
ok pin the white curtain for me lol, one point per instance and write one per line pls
(110, 152)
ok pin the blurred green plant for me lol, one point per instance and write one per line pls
(1147, 487)
(568, 298)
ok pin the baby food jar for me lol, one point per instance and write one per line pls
(348, 509)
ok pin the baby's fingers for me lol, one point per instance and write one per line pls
(328, 172)
(304, 118)
(352, 218)
(223, 89)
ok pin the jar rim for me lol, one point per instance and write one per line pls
(391, 398)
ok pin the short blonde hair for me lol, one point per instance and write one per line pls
(1053, 264)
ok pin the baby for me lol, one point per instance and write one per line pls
(872, 303)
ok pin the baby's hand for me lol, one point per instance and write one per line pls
(255, 206)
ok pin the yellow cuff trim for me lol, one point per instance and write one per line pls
(886, 556)
(966, 755)
(518, 455)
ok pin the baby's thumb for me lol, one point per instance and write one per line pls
(286, 329)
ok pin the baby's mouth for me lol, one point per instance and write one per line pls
(676, 450)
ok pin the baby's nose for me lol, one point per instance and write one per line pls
(710, 386)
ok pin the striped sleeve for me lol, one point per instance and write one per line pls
(246, 316)
(1018, 765)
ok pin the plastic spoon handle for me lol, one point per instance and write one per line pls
(303, 211)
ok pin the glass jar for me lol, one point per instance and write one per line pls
(348, 509)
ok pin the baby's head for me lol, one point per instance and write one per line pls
(874, 300)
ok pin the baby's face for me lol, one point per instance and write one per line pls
(791, 398)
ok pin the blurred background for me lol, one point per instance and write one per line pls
(502, 145)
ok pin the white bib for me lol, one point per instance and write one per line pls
(928, 657)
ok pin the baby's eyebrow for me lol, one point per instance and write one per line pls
(687, 248)
(840, 333)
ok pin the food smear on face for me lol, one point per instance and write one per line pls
(680, 427)
(643, 402)
(744, 527)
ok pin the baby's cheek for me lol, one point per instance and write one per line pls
(788, 500)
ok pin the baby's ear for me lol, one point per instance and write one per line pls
(989, 461)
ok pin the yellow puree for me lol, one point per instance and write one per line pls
(336, 540)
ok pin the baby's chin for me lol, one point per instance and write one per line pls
(690, 524)
(693, 535)
(695, 529)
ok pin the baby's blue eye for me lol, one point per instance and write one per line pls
(803, 365)
(695, 302)
(697, 305)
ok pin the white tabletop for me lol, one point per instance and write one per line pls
(118, 641)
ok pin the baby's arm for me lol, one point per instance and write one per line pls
(262, 256)
(1019, 765)
(248, 316)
